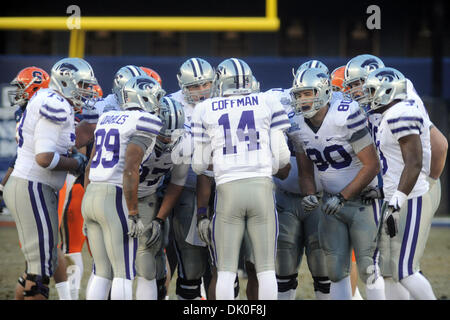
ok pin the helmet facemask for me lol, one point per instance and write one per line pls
(308, 106)
(196, 92)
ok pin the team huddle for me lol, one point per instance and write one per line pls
(339, 167)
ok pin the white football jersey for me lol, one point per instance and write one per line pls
(402, 119)
(191, 181)
(329, 148)
(48, 106)
(158, 163)
(291, 183)
(92, 112)
(112, 135)
(238, 129)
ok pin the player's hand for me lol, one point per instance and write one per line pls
(371, 193)
(153, 232)
(391, 219)
(135, 226)
(334, 204)
(203, 229)
(310, 202)
(82, 161)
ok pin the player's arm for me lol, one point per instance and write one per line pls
(88, 168)
(439, 148)
(411, 148)
(281, 155)
(46, 134)
(305, 173)
(133, 158)
(201, 157)
(84, 133)
(364, 148)
(406, 129)
(174, 190)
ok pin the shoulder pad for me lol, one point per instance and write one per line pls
(148, 124)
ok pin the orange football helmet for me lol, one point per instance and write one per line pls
(99, 91)
(27, 81)
(337, 79)
(152, 73)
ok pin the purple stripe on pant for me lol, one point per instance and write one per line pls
(124, 229)
(39, 227)
(49, 225)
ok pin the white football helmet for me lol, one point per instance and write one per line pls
(74, 79)
(312, 64)
(356, 72)
(122, 76)
(195, 72)
(173, 117)
(315, 80)
(233, 77)
(142, 92)
(383, 86)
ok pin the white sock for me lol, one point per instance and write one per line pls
(321, 296)
(341, 290)
(418, 286)
(98, 288)
(63, 290)
(225, 285)
(122, 289)
(75, 273)
(146, 289)
(395, 290)
(357, 295)
(267, 285)
(287, 295)
(375, 291)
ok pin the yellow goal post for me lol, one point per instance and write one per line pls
(200, 24)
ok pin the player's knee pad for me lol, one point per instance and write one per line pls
(188, 289)
(316, 262)
(337, 269)
(21, 281)
(40, 286)
(322, 284)
(286, 283)
(161, 287)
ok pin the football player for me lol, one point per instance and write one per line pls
(45, 154)
(195, 79)
(171, 144)
(153, 74)
(110, 204)
(243, 131)
(404, 147)
(337, 83)
(92, 111)
(357, 70)
(333, 137)
(298, 228)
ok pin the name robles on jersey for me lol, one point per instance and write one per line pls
(112, 135)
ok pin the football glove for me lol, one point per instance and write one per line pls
(153, 232)
(334, 204)
(135, 226)
(203, 229)
(310, 202)
(82, 162)
(391, 221)
(371, 193)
